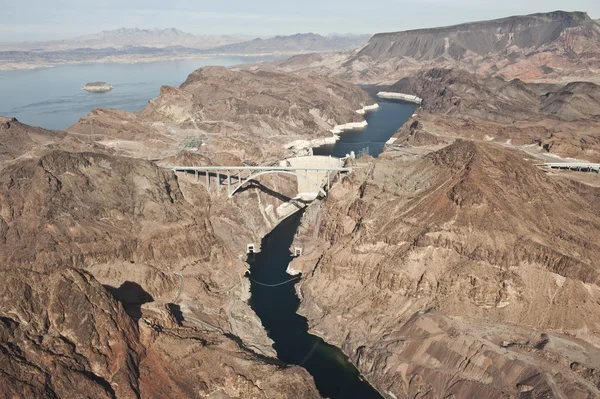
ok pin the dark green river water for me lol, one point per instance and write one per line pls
(334, 375)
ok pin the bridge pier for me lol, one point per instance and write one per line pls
(228, 182)
(218, 184)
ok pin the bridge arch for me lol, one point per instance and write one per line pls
(260, 173)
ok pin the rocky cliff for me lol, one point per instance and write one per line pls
(250, 114)
(18, 140)
(509, 35)
(120, 280)
(456, 275)
(547, 118)
(546, 46)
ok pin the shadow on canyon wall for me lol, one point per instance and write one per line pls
(132, 296)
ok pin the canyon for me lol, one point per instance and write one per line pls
(450, 265)
(81, 230)
(98, 231)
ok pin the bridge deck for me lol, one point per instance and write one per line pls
(579, 166)
(232, 177)
(256, 168)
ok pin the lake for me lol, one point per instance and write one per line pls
(382, 124)
(52, 97)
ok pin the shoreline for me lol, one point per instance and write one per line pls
(303, 145)
(133, 59)
(388, 95)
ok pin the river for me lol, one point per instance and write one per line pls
(274, 296)
(334, 375)
(52, 97)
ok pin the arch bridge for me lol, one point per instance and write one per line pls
(233, 178)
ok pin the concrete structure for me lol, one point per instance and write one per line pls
(400, 96)
(367, 108)
(314, 174)
(578, 166)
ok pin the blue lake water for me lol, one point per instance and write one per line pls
(382, 124)
(52, 97)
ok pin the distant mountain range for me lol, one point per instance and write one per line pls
(299, 43)
(124, 37)
(131, 45)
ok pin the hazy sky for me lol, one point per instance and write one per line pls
(52, 19)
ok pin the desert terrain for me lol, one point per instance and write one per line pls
(451, 266)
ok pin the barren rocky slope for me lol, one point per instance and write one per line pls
(161, 246)
(546, 46)
(468, 272)
(294, 44)
(251, 115)
(18, 140)
(548, 118)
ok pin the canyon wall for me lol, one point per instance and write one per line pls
(467, 272)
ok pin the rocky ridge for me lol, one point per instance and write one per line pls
(457, 274)
(18, 141)
(249, 114)
(294, 44)
(545, 46)
(546, 119)
(82, 229)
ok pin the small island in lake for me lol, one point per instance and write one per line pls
(98, 87)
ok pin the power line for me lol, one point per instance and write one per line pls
(275, 285)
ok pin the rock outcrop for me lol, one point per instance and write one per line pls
(79, 231)
(468, 272)
(251, 115)
(98, 87)
(553, 119)
(62, 334)
(18, 140)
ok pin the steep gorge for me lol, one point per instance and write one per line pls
(126, 227)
